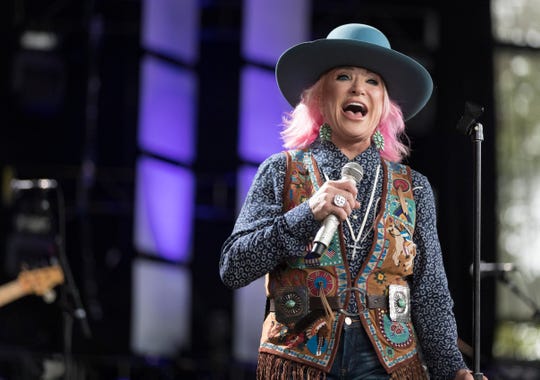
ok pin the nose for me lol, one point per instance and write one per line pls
(357, 88)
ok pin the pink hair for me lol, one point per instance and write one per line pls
(302, 124)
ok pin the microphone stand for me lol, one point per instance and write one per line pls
(469, 126)
(74, 309)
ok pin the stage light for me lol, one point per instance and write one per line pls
(39, 40)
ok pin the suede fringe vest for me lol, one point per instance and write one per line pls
(300, 334)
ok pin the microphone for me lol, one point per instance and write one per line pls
(351, 171)
(487, 269)
(471, 113)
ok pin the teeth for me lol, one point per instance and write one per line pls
(356, 107)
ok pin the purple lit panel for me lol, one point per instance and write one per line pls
(261, 111)
(171, 27)
(164, 207)
(161, 308)
(271, 27)
(167, 111)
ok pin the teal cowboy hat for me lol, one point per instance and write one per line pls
(407, 81)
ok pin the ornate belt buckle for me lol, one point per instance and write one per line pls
(291, 303)
(399, 303)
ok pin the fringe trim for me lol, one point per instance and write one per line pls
(414, 370)
(272, 367)
(327, 309)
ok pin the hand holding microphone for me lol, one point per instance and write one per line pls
(334, 202)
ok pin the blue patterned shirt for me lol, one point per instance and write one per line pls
(264, 236)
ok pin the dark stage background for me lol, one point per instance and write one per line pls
(54, 126)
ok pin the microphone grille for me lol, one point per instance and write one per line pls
(354, 170)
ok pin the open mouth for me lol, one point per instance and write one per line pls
(356, 108)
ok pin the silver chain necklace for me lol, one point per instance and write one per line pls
(358, 238)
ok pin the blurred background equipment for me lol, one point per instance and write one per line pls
(34, 225)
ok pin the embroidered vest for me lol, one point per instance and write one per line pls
(304, 324)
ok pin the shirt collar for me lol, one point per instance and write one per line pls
(330, 159)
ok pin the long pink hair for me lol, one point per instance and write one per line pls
(302, 124)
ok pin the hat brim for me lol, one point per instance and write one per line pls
(407, 81)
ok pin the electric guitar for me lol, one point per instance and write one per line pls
(35, 281)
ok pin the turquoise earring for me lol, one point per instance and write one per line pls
(325, 132)
(378, 140)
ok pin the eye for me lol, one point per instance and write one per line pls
(373, 81)
(343, 77)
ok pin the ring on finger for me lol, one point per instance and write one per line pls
(339, 200)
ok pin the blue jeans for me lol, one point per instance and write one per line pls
(356, 359)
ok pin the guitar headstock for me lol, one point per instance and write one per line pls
(40, 281)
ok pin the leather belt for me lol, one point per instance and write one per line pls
(315, 303)
(377, 301)
(292, 303)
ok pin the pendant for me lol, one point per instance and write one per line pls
(354, 248)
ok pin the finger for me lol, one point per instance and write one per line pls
(341, 213)
(346, 185)
(351, 201)
(342, 205)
